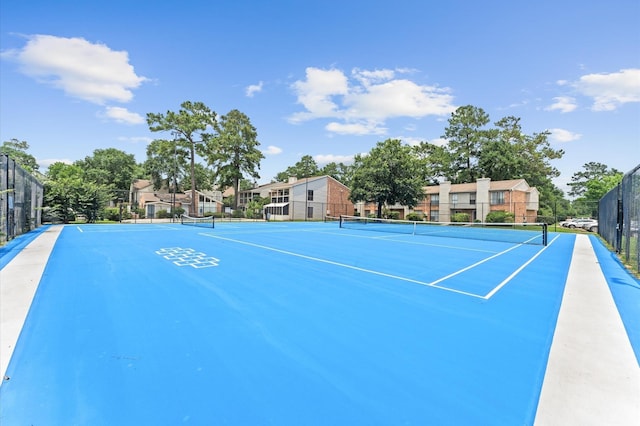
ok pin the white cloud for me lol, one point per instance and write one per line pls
(362, 128)
(610, 91)
(317, 91)
(563, 104)
(367, 78)
(332, 158)
(272, 150)
(439, 141)
(253, 89)
(84, 70)
(363, 104)
(122, 115)
(562, 135)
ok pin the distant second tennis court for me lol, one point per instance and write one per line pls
(285, 323)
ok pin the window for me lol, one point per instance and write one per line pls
(309, 212)
(497, 197)
(435, 199)
(310, 195)
(454, 198)
(280, 196)
(472, 198)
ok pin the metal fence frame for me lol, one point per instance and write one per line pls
(21, 199)
(619, 218)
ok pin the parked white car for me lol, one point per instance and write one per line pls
(578, 223)
(591, 226)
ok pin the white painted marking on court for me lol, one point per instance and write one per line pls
(116, 228)
(517, 271)
(458, 272)
(331, 262)
(391, 238)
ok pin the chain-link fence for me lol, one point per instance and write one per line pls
(619, 218)
(21, 197)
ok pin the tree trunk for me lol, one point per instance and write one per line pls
(192, 206)
(236, 189)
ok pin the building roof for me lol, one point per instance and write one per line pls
(141, 183)
(498, 185)
(290, 184)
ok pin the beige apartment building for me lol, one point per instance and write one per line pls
(311, 198)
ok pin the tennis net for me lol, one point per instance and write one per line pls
(206, 222)
(518, 233)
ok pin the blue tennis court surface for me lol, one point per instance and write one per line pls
(285, 324)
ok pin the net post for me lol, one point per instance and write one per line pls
(341, 218)
(544, 233)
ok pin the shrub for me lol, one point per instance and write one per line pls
(111, 213)
(460, 217)
(416, 217)
(500, 216)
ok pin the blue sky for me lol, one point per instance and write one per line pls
(328, 78)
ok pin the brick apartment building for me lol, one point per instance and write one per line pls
(476, 199)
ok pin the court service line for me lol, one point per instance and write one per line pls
(343, 265)
(394, 238)
(517, 271)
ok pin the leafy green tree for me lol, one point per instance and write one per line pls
(17, 150)
(465, 136)
(592, 171)
(90, 199)
(234, 152)
(110, 168)
(434, 161)
(189, 127)
(592, 184)
(68, 193)
(166, 163)
(339, 171)
(598, 188)
(306, 167)
(508, 153)
(387, 175)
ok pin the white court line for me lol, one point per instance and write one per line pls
(394, 239)
(517, 271)
(134, 228)
(369, 271)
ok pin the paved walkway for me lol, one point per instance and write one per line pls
(19, 280)
(592, 377)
